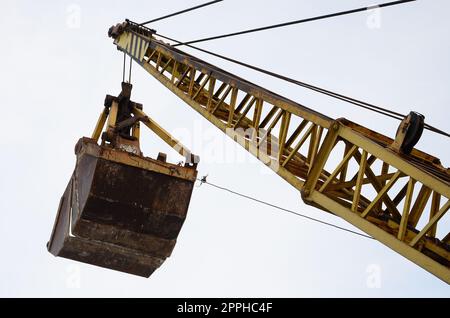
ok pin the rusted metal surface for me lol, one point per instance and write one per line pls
(64, 243)
(119, 215)
(139, 200)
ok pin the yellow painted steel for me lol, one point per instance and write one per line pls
(100, 124)
(300, 156)
(134, 44)
(112, 119)
(137, 131)
(164, 135)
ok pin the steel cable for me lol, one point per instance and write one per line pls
(356, 102)
(204, 181)
(280, 25)
(181, 12)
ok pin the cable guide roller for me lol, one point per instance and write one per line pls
(122, 210)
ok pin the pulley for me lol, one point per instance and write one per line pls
(409, 133)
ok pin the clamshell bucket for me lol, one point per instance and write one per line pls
(122, 210)
(65, 244)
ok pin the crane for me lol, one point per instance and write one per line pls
(124, 211)
(385, 187)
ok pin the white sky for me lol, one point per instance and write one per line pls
(56, 72)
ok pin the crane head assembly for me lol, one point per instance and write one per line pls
(122, 210)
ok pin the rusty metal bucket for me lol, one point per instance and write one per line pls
(121, 211)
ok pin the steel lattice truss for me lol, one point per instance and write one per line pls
(337, 165)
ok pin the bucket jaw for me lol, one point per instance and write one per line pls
(122, 210)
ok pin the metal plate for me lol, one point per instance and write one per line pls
(141, 200)
(64, 244)
(121, 211)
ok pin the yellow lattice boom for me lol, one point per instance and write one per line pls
(337, 165)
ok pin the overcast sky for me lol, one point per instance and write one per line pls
(57, 65)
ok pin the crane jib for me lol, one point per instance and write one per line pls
(134, 45)
(399, 198)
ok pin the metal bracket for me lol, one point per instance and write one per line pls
(125, 134)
